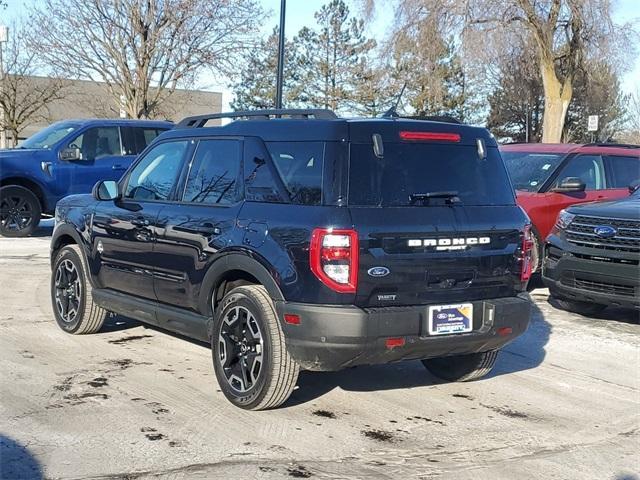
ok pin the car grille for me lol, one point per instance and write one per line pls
(600, 287)
(627, 239)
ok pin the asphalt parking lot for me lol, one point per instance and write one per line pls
(134, 402)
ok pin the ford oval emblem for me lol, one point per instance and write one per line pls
(605, 231)
(378, 271)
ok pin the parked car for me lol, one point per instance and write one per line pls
(550, 177)
(65, 158)
(306, 242)
(592, 257)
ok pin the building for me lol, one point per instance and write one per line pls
(87, 99)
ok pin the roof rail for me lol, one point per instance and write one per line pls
(200, 121)
(434, 118)
(612, 144)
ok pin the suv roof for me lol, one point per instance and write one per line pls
(319, 125)
(620, 149)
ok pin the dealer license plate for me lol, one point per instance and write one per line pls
(448, 319)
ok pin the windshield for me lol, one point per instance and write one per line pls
(529, 170)
(49, 136)
(410, 173)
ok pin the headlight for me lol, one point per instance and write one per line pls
(564, 219)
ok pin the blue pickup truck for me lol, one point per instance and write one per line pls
(67, 157)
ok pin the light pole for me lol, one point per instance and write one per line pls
(279, 80)
(4, 37)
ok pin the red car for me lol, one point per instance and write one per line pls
(550, 177)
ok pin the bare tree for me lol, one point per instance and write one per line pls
(143, 49)
(561, 32)
(24, 97)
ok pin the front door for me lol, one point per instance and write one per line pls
(102, 159)
(588, 168)
(193, 230)
(124, 232)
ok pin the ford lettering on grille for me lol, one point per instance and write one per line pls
(441, 244)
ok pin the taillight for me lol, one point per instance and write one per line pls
(333, 256)
(430, 136)
(527, 249)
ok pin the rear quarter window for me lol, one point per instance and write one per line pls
(300, 166)
(413, 168)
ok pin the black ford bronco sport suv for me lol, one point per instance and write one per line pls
(294, 239)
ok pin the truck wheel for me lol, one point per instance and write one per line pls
(71, 294)
(250, 358)
(19, 211)
(462, 368)
(583, 308)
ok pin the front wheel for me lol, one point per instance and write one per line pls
(250, 358)
(20, 211)
(71, 294)
(462, 368)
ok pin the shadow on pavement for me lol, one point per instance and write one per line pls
(16, 462)
(624, 315)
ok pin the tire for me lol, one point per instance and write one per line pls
(261, 374)
(462, 368)
(582, 308)
(20, 211)
(69, 278)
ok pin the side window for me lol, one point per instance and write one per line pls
(213, 174)
(136, 139)
(154, 176)
(588, 168)
(259, 183)
(624, 171)
(98, 142)
(300, 165)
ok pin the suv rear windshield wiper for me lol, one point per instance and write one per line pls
(450, 196)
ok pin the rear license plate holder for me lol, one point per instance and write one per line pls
(450, 319)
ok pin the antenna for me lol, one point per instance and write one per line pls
(393, 112)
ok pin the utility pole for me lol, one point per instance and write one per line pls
(279, 80)
(4, 37)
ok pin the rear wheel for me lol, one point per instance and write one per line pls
(20, 211)
(71, 294)
(583, 308)
(250, 358)
(462, 368)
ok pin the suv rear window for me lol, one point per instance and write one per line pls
(410, 168)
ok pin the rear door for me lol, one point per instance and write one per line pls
(193, 229)
(622, 171)
(437, 250)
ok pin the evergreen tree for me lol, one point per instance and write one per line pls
(335, 61)
(256, 86)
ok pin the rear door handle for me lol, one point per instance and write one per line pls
(204, 229)
(118, 167)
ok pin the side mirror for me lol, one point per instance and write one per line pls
(634, 186)
(570, 184)
(70, 154)
(105, 190)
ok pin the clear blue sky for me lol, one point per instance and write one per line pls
(300, 13)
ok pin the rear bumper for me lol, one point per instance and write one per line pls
(597, 281)
(335, 337)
